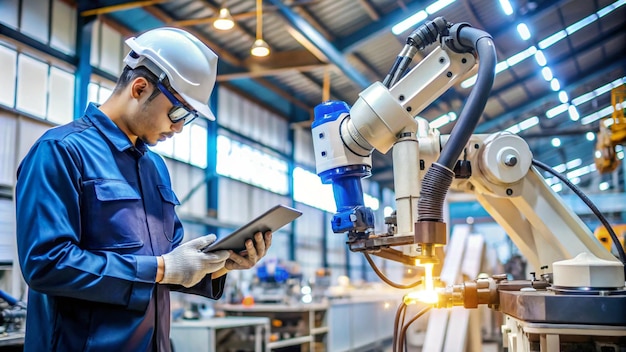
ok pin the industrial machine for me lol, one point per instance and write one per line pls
(612, 133)
(581, 291)
(12, 321)
(277, 281)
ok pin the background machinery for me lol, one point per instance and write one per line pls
(581, 291)
(612, 133)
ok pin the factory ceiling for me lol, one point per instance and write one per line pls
(557, 60)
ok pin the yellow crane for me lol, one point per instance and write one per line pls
(612, 132)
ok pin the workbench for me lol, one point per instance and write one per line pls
(294, 327)
(348, 324)
(221, 334)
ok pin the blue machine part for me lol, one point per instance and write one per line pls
(352, 215)
(279, 274)
(328, 111)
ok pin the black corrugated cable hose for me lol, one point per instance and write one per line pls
(439, 177)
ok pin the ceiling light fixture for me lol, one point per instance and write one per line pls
(224, 21)
(419, 16)
(523, 31)
(260, 47)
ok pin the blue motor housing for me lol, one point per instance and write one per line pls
(352, 214)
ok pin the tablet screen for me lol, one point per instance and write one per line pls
(272, 220)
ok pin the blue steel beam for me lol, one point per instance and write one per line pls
(312, 35)
(84, 32)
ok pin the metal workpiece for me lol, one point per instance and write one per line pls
(470, 294)
(546, 306)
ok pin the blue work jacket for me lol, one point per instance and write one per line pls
(93, 212)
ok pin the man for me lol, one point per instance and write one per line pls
(99, 242)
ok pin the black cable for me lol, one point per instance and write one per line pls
(419, 39)
(406, 326)
(400, 70)
(477, 99)
(394, 67)
(463, 37)
(396, 323)
(385, 279)
(589, 203)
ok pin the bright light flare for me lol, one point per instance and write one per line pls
(427, 294)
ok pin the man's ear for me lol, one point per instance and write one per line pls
(139, 87)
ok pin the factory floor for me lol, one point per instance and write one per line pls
(487, 347)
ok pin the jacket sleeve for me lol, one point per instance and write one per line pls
(207, 287)
(48, 236)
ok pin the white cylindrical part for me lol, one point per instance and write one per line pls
(379, 117)
(588, 271)
(406, 166)
(505, 158)
(330, 150)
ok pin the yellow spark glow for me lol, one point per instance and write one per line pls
(427, 294)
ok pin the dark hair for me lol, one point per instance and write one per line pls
(129, 74)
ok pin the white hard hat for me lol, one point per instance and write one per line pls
(189, 64)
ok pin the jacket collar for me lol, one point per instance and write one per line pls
(110, 130)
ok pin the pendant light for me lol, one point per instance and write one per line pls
(225, 20)
(260, 47)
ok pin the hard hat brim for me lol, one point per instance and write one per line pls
(202, 108)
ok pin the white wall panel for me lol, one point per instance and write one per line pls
(8, 62)
(245, 117)
(35, 19)
(17, 135)
(184, 178)
(60, 96)
(280, 246)
(32, 83)
(8, 12)
(111, 53)
(63, 27)
(94, 56)
(239, 202)
(8, 133)
(303, 153)
(7, 231)
(28, 132)
(308, 237)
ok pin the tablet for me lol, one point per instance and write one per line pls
(272, 220)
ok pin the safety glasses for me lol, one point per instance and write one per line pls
(178, 112)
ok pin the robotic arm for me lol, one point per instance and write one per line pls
(496, 168)
(383, 118)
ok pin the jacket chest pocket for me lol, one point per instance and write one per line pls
(113, 216)
(168, 215)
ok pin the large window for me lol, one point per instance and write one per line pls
(189, 146)
(8, 62)
(309, 189)
(35, 87)
(244, 163)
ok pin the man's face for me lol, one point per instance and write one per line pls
(151, 123)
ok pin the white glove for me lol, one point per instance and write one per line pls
(186, 265)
